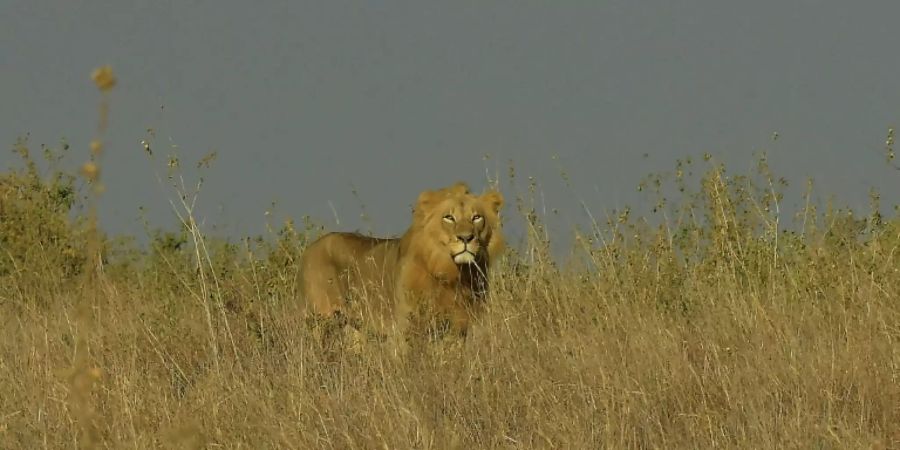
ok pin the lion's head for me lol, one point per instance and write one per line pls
(459, 227)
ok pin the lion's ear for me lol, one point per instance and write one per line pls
(426, 201)
(424, 198)
(493, 200)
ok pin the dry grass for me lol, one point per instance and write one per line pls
(705, 325)
(703, 332)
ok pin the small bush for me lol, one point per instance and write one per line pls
(41, 239)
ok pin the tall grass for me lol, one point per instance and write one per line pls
(709, 323)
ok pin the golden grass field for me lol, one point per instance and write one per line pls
(717, 324)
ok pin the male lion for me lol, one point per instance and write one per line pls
(436, 271)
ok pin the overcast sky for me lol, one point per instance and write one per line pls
(306, 101)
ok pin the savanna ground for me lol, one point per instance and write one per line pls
(712, 322)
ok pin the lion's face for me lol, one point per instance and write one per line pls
(464, 227)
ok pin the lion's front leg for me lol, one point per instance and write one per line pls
(432, 314)
(457, 309)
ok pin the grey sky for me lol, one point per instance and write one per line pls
(303, 98)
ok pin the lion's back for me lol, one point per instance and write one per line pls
(338, 263)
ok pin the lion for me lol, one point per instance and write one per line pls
(435, 274)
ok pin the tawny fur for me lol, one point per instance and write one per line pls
(436, 272)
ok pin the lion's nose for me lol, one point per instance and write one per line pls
(465, 238)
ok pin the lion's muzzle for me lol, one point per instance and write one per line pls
(469, 248)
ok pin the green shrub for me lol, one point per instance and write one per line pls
(40, 236)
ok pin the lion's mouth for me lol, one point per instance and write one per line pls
(464, 257)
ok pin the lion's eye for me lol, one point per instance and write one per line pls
(477, 218)
(449, 218)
